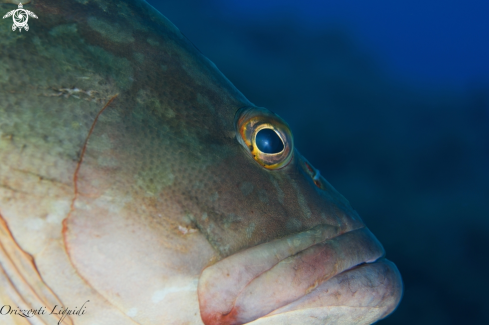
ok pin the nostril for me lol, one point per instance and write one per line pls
(313, 173)
(310, 169)
(317, 180)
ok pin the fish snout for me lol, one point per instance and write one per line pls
(312, 275)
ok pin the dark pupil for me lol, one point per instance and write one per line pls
(268, 141)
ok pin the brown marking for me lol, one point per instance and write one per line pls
(64, 224)
(40, 177)
(80, 160)
(12, 189)
(64, 230)
(230, 318)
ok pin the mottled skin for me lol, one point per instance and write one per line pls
(127, 210)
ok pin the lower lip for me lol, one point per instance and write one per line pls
(360, 295)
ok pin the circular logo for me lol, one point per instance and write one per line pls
(20, 17)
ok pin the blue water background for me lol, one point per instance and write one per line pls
(390, 100)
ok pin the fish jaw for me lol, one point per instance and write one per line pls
(305, 274)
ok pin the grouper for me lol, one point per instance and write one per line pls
(139, 186)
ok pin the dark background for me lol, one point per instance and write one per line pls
(390, 100)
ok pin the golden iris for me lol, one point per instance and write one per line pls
(265, 135)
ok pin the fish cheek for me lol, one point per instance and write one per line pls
(122, 234)
(247, 205)
(238, 208)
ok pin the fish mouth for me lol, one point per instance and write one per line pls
(305, 274)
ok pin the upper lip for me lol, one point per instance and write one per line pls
(254, 282)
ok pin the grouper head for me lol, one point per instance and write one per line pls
(163, 195)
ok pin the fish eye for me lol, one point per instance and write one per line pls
(265, 135)
(268, 141)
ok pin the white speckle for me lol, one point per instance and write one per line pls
(59, 211)
(295, 242)
(132, 312)
(280, 193)
(53, 218)
(81, 205)
(112, 201)
(161, 294)
(250, 229)
(183, 230)
(35, 223)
